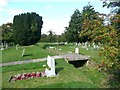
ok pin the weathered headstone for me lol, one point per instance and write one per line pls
(86, 48)
(6, 46)
(2, 47)
(23, 52)
(60, 49)
(51, 64)
(77, 50)
(87, 63)
(49, 61)
(66, 43)
(97, 47)
(16, 47)
(76, 43)
(89, 45)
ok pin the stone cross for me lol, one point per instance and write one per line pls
(51, 64)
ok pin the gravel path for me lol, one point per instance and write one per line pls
(70, 57)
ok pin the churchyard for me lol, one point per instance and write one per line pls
(67, 76)
(82, 52)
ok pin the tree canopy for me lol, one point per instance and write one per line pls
(7, 32)
(76, 24)
(27, 28)
(72, 31)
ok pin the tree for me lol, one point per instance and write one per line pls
(51, 36)
(108, 35)
(44, 38)
(7, 32)
(88, 16)
(61, 38)
(72, 31)
(27, 28)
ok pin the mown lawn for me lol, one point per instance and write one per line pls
(93, 53)
(67, 77)
(38, 51)
(31, 52)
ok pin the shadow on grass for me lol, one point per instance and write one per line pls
(114, 79)
(27, 55)
(57, 70)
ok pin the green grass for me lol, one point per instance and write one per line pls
(94, 54)
(97, 77)
(31, 52)
(72, 84)
(37, 51)
(19, 67)
(67, 74)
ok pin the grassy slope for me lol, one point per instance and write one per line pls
(31, 52)
(90, 72)
(67, 76)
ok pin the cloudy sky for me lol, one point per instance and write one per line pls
(56, 13)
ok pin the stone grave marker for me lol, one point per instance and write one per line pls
(76, 43)
(16, 47)
(6, 46)
(51, 64)
(66, 43)
(77, 50)
(2, 47)
(23, 52)
(87, 63)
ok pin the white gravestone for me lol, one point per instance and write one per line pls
(23, 52)
(6, 46)
(51, 64)
(77, 50)
(16, 47)
(2, 47)
(76, 43)
(66, 43)
(87, 63)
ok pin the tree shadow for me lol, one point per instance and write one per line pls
(57, 70)
(114, 79)
(27, 55)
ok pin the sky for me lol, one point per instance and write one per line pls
(56, 14)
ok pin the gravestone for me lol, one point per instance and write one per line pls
(87, 63)
(76, 43)
(60, 49)
(87, 49)
(23, 52)
(49, 61)
(6, 46)
(89, 45)
(77, 50)
(51, 64)
(97, 47)
(66, 43)
(16, 47)
(2, 47)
